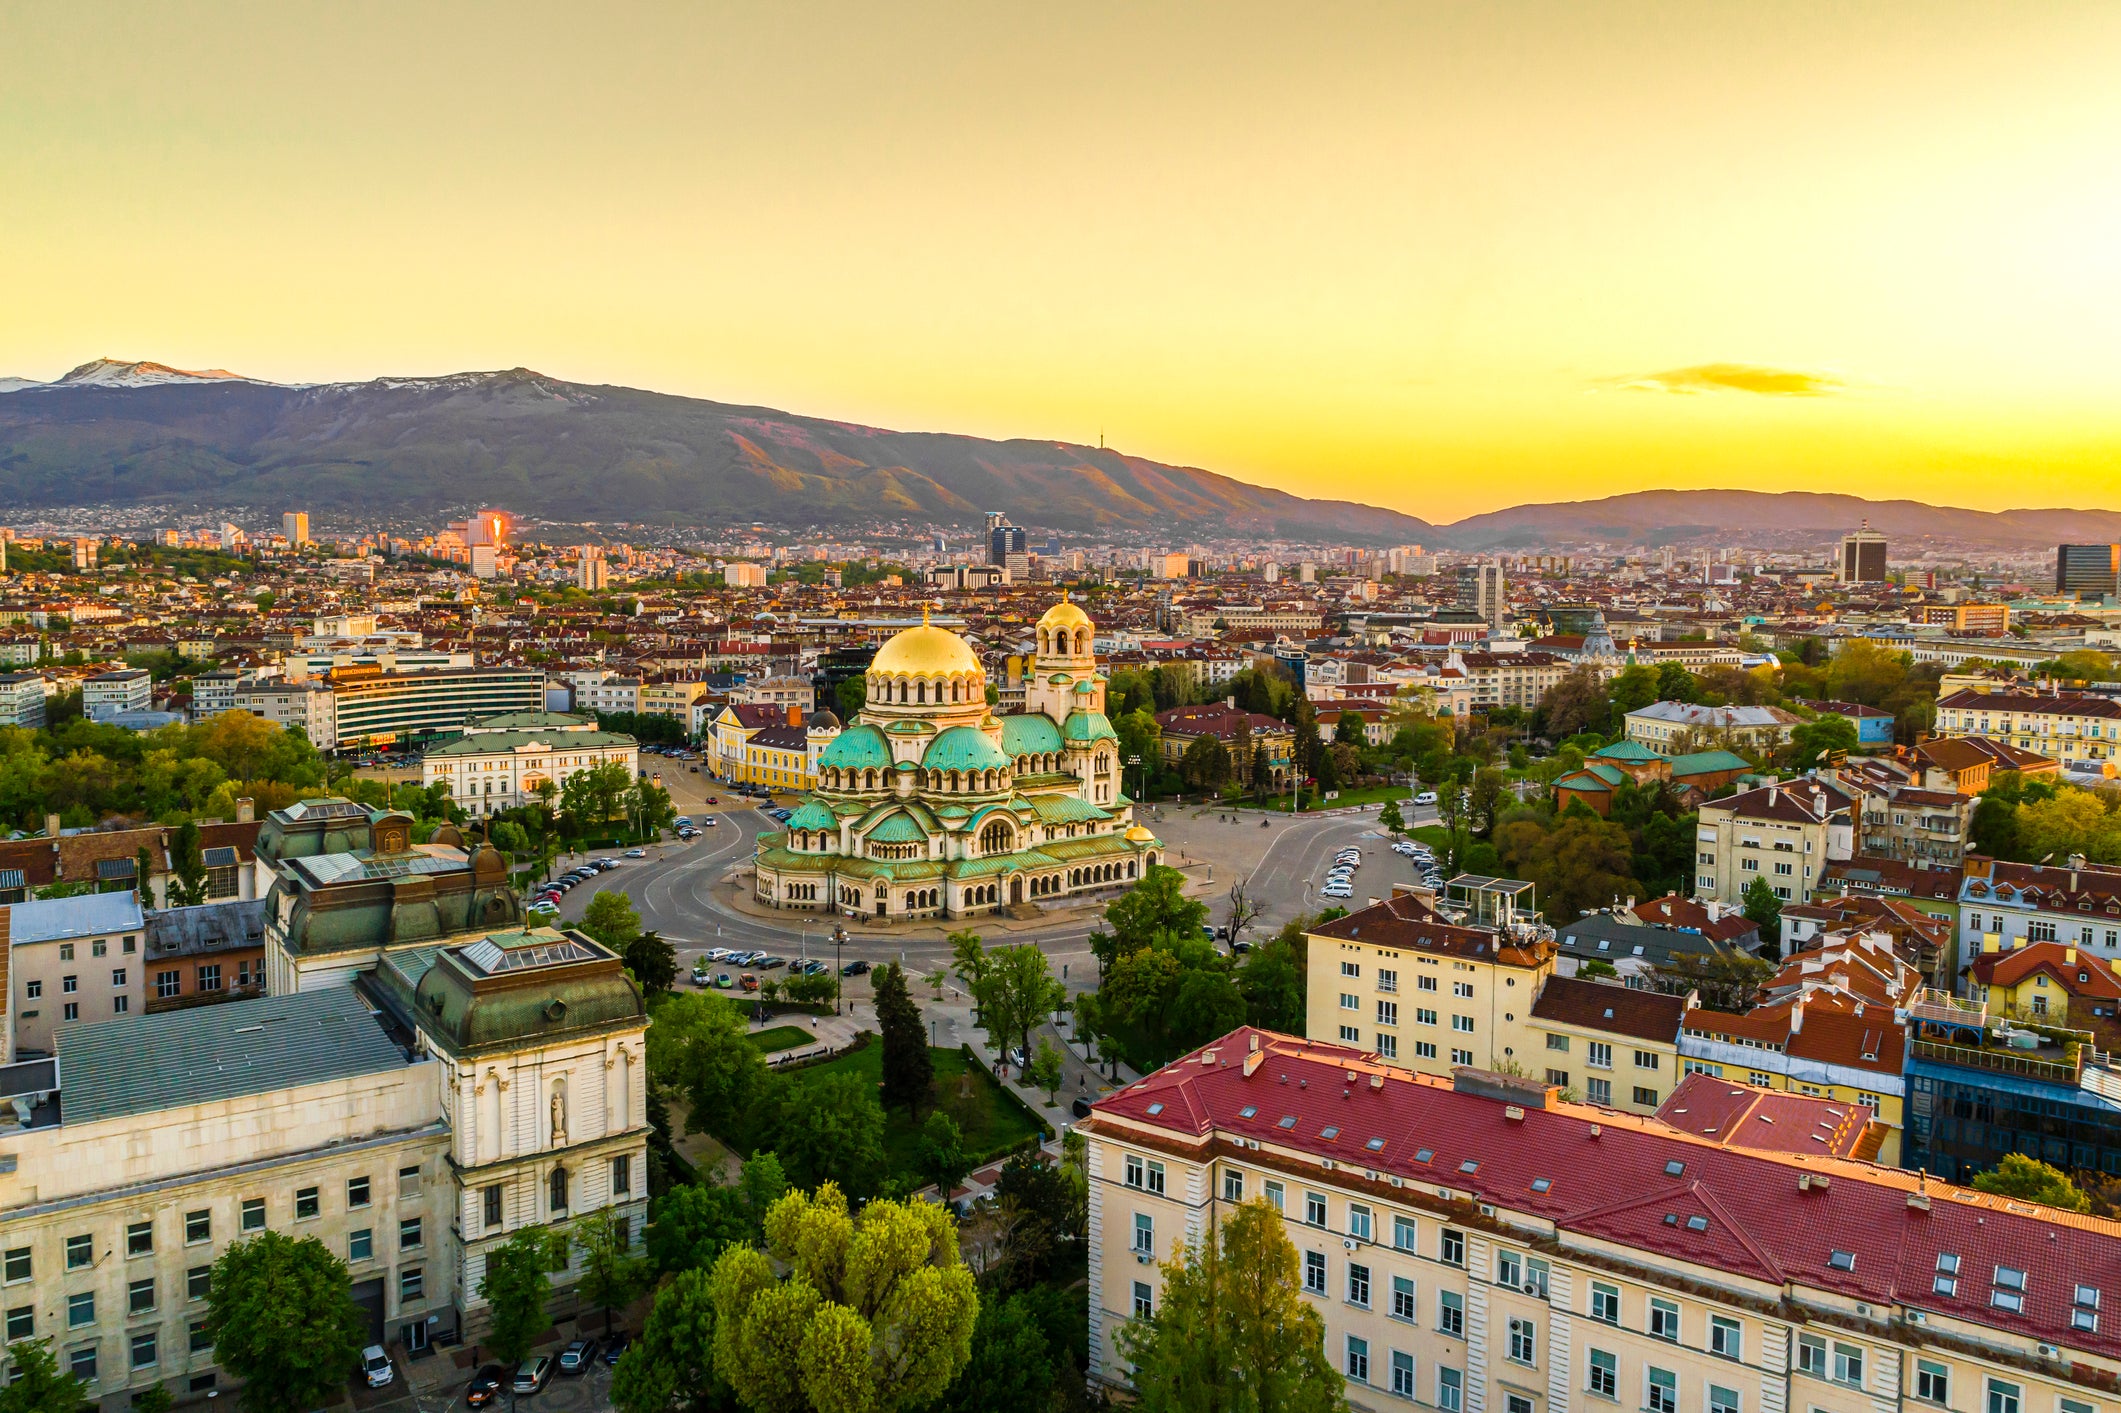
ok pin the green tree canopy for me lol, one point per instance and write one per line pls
(1016, 991)
(908, 1068)
(613, 1272)
(610, 919)
(1764, 910)
(699, 1047)
(37, 1384)
(517, 1286)
(943, 1160)
(670, 1368)
(829, 1127)
(2033, 1181)
(1231, 1330)
(874, 1314)
(283, 1320)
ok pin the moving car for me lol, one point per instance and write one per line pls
(710, 821)
(1426, 797)
(532, 1374)
(375, 1366)
(854, 968)
(485, 1386)
(636, 853)
(1080, 1108)
(578, 1356)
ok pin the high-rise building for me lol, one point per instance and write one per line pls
(1480, 589)
(295, 525)
(1007, 547)
(2088, 571)
(1862, 557)
(591, 573)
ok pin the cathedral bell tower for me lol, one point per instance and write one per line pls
(1064, 677)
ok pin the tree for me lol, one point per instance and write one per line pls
(1631, 689)
(653, 962)
(610, 919)
(282, 1320)
(187, 884)
(1861, 671)
(874, 1315)
(1351, 730)
(1243, 912)
(969, 956)
(1016, 991)
(38, 1386)
(516, 1286)
(2071, 821)
(690, 1224)
(613, 1274)
(1764, 910)
(671, 1366)
(1725, 981)
(1231, 1330)
(1155, 907)
(1012, 1364)
(1576, 703)
(2033, 1181)
(943, 1160)
(830, 1128)
(1392, 820)
(699, 1046)
(852, 696)
(1816, 740)
(1046, 1071)
(1484, 798)
(1272, 981)
(1205, 764)
(1035, 1203)
(1261, 773)
(1578, 862)
(908, 1068)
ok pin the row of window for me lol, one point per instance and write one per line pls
(99, 947)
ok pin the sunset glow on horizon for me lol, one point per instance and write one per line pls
(1440, 257)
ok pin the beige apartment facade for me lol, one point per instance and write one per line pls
(1503, 1251)
(71, 960)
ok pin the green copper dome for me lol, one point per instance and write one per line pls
(1089, 726)
(812, 815)
(964, 748)
(856, 748)
(1030, 735)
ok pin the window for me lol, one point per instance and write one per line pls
(491, 1201)
(21, 1323)
(1604, 1381)
(1451, 1313)
(80, 1309)
(1461, 1057)
(81, 1363)
(1451, 1249)
(1664, 1320)
(1315, 1272)
(201, 1341)
(409, 1182)
(1726, 1337)
(1156, 1178)
(1462, 1024)
(1598, 1091)
(70, 1011)
(409, 1234)
(1387, 1046)
(1349, 1001)
(1558, 1042)
(1933, 1382)
(1405, 1233)
(140, 1297)
(80, 1252)
(66, 951)
(1661, 1391)
(1314, 1209)
(1402, 1373)
(2002, 1397)
(1358, 1285)
(117, 976)
(1351, 1035)
(1605, 1303)
(360, 1244)
(210, 977)
(1277, 1196)
(1144, 1301)
(120, 1005)
(412, 1284)
(1387, 980)
(1358, 1221)
(1403, 1306)
(198, 1227)
(1145, 1233)
(1425, 1049)
(1425, 983)
(198, 1282)
(99, 948)
(307, 1204)
(1646, 1059)
(33, 990)
(1848, 1365)
(1358, 1366)
(1598, 1055)
(356, 1193)
(622, 1175)
(1134, 1171)
(1722, 1400)
(1811, 1356)
(1524, 1342)
(1351, 968)
(144, 1350)
(1509, 1269)
(1388, 1013)
(556, 1189)
(1450, 1390)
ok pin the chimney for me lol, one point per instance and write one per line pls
(2069, 956)
(795, 714)
(246, 810)
(1230, 702)
(1797, 1018)
(1774, 794)
(51, 826)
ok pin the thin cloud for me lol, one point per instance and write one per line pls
(1732, 377)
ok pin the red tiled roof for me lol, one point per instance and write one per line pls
(1405, 921)
(1635, 1180)
(1606, 1005)
(1767, 1120)
(2058, 959)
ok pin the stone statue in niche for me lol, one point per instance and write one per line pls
(559, 1117)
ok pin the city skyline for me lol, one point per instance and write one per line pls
(1438, 261)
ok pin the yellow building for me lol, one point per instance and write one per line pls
(671, 699)
(1482, 1245)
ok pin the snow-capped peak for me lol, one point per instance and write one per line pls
(111, 373)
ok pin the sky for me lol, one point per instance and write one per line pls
(1442, 257)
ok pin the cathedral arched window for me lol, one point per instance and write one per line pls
(995, 838)
(557, 1192)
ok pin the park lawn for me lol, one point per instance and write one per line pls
(1366, 795)
(781, 1037)
(986, 1117)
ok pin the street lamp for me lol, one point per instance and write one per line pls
(839, 972)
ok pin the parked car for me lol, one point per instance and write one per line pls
(854, 968)
(532, 1374)
(376, 1368)
(616, 1347)
(813, 968)
(485, 1386)
(578, 1356)
(722, 981)
(748, 982)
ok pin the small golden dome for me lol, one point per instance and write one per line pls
(926, 651)
(1139, 835)
(1064, 615)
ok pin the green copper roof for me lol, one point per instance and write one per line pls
(900, 828)
(1066, 809)
(812, 815)
(1030, 735)
(964, 748)
(1089, 726)
(857, 748)
(1633, 752)
(1709, 763)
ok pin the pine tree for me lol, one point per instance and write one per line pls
(909, 1070)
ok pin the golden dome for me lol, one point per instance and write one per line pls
(1064, 615)
(925, 651)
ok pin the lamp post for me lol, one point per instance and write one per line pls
(839, 972)
(1141, 780)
